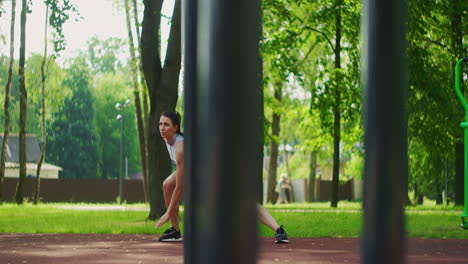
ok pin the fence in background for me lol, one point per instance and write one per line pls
(105, 191)
(77, 190)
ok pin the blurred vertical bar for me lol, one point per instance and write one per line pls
(386, 161)
(260, 112)
(189, 49)
(221, 122)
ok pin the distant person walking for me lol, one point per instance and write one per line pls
(283, 188)
(169, 128)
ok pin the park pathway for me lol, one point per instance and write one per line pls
(19, 248)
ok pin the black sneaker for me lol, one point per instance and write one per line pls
(170, 235)
(281, 236)
(169, 230)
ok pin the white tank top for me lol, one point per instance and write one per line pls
(172, 148)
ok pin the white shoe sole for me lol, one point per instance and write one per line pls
(171, 240)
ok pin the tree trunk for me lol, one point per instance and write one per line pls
(152, 70)
(456, 9)
(146, 124)
(286, 160)
(143, 95)
(438, 190)
(163, 91)
(43, 124)
(23, 103)
(312, 174)
(446, 175)
(144, 86)
(6, 107)
(459, 173)
(439, 198)
(337, 111)
(418, 197)
(273, 162)
(136, 22)
(136, 97)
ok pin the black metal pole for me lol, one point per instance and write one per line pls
(386, 161)
(259, 110)
(189, 47)
(221, 116)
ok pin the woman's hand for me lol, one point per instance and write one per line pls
(162, 220)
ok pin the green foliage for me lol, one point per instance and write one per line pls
(110, 89)
(105, 55)
(55, 92)
(434, 112)
(279, 48)
(429, 171)
(298, 49)
(327, 88)
(107, 94)
(72, 139)
(298, 166)
(14, 93)
(60, 13)
(297, 46)
(65, 97)
(355, 167)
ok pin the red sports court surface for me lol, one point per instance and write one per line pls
(105, 248)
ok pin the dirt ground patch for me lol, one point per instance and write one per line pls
(22, 248)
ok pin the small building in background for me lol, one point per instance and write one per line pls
(33, 154)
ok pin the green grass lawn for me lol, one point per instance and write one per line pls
(300, 220)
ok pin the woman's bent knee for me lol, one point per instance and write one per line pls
(168, 185)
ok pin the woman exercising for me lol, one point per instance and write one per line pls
(169, 128)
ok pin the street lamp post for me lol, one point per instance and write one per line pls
(120, 107)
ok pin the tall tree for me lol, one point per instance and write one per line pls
(310, 135)
(274, 144)
(43, 116)
(294, 48)
(143, 86)
(136, 98)
(23, 104)
(59, 15)
(337, 24)
(6, 107)
(337, 105)
(72, 139)
(162, 84)
(326, 25)
(280, 42)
